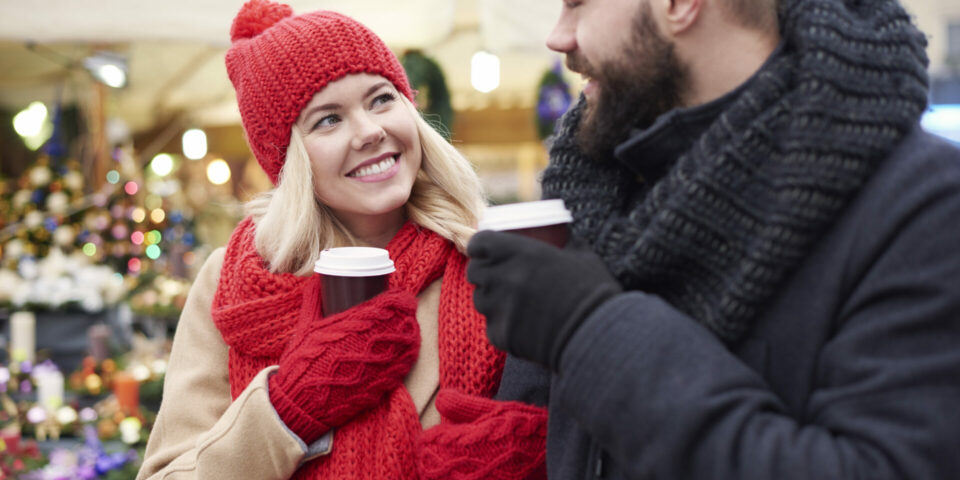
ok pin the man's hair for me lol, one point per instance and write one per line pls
(292, 226)
(757, 14)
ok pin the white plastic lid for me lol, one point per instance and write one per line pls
(525, 215)
(354, 262)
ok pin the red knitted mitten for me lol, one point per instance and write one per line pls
(335, 368)
(481, 438)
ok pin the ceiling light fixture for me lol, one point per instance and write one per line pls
(108, 68)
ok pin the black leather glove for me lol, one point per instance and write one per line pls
(533, 294)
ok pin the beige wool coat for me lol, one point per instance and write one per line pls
(201, 433)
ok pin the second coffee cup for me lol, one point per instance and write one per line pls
(545, 220)
(351, 275)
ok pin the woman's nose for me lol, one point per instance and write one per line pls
(368, 132)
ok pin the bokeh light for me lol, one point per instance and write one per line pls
(113, 177)
(136, 238)
(133, 265)
(138, 214)
(89, 249)
(162, 164)
(194, 144)
(153, 201)
(153, 252)
(157, 215)
(218, 172)
(131, 188)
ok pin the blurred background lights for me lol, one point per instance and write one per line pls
(136, 238)
(194, 144)
(29, 122)
(89, 249)
(107, 67)
(218, 172)
(153, 252)
(131, 188)
(153, 201)
(112, 75)
(138, 214)
(133, 265)
(113, 177)
(484, 71)
(162, 164)
(33, 125)
(157, 215)
(154, 237)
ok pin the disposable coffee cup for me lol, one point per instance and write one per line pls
(351, 276)
(544, 220)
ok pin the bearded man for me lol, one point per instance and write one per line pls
(764, 277)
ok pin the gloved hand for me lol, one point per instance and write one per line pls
(533, 294)
(480, 439)
(337, 367)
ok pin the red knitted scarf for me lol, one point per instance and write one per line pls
(256, 311)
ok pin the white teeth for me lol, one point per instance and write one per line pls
(376, 168)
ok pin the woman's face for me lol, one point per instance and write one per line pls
(364, 149)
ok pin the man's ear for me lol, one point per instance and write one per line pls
(677, 16)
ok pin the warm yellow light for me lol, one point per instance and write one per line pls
(157, 215)
(29, 122)
(218, 172)
(484, 71)
(33, 125)
(162, 164)
(194, 144)
(112, 75)
(138, 214)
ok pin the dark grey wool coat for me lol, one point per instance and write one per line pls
(853, 372)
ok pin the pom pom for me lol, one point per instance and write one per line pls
(256, 16)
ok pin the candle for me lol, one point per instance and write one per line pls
(49, 387)
(97, 336)
(127, 390)
(23, 337)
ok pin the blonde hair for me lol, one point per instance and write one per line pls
(292, 226)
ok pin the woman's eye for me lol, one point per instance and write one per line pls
(327, 121)
(382, 99)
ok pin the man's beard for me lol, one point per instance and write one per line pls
(644, 83)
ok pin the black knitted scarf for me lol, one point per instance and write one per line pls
(738, 211)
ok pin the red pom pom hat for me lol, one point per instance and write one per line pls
(278, 61)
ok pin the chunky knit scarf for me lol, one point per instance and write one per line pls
(256, 312)
(719, 232)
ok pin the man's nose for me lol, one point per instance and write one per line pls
(563, 37)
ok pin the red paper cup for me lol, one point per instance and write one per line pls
(544, 220)
(351, 276)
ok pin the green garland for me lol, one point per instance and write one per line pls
(433, 98)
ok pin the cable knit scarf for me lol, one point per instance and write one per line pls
(256, 312)
(737, 212)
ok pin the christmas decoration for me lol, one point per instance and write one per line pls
(61, 249)
(553, 100)
(433, 98)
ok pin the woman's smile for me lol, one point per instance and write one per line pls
(378, 169)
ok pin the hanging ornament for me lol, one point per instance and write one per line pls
(553, 100)
(58, 202)
(40, 176)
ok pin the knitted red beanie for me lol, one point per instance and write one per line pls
(278, 61)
